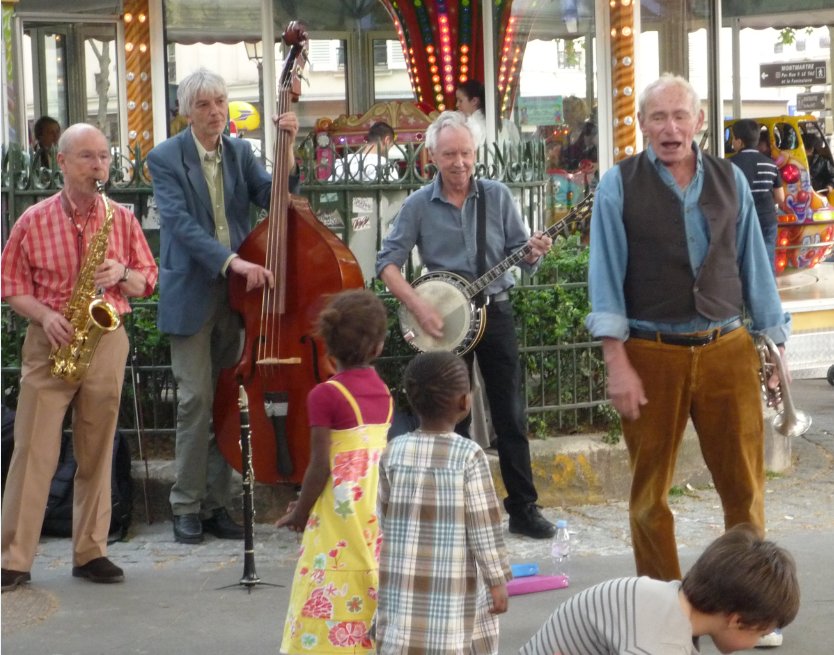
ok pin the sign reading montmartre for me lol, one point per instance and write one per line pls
(794, 73)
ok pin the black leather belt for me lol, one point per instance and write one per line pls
(701, 339)
(501, 296)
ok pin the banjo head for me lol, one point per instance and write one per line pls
(462, 321)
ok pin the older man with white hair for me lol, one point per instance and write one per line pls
(441, 220)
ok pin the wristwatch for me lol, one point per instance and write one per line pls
(125, 275)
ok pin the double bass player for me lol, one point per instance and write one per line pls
(203, 183)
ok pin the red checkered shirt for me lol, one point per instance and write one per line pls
(48, 243)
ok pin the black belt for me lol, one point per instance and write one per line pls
(686, 339)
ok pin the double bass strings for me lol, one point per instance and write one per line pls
(273, 305)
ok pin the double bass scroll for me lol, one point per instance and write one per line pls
(282, 360)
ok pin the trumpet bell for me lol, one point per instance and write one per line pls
(791, 425)
(789, 421)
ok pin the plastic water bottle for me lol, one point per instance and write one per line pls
(560, 549)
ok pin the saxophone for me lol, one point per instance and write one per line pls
(89, 313)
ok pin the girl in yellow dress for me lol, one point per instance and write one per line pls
(334, 590)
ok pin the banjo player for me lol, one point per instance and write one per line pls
(441, 221)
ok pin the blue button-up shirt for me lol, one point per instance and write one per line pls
(609, 256)
(446, 236)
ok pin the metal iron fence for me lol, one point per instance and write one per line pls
(563, 371)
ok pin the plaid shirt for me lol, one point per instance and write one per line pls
(442, 540)
(49, 241)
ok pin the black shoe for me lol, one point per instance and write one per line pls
(222, 526)
(13, 579)
(188, 529)
(530, 522)
(99, 569)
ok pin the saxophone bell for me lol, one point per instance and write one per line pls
(789, 421)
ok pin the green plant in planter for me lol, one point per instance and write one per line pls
(559, 370)
(397, 353)
(12, 332)
(150, 355)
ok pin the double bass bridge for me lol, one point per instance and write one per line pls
(276, 361)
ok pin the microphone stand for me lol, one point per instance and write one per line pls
(250, 577)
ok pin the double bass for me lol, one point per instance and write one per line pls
(282, 360)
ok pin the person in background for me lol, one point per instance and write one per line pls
(370, 162)
(440, 219)
(178, 121)
(203, 183)
(443, 568)
(47, 248)
(820, 167)
(471, 100)
(668, 288)
(46, 132)
(763, 176)
(336, 510)
(739, 589)
(576, 115)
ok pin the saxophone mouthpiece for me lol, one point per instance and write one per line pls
(99, 186)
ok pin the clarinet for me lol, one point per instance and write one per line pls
(250, 577)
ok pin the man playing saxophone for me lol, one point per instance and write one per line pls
(50, 247)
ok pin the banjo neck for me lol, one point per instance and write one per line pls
(578, 217)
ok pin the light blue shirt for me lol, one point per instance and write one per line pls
(609, 257)
(446, 236)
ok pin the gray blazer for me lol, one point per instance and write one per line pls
(191, 258)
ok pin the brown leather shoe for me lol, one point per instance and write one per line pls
(13, 579)
(99, 569)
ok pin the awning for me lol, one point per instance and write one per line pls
(779, 14)
(221, 21)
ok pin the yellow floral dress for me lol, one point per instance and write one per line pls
(334, 591)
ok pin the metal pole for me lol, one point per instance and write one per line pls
(488, 40)
(265, 116)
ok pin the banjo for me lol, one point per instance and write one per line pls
(453, 296)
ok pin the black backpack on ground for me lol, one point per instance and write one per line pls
(58, 516)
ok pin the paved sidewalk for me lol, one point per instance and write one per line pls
(172, 601)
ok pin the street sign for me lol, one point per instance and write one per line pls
(794, 73)
(810, 101)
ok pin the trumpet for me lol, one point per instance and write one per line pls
(789, 421)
